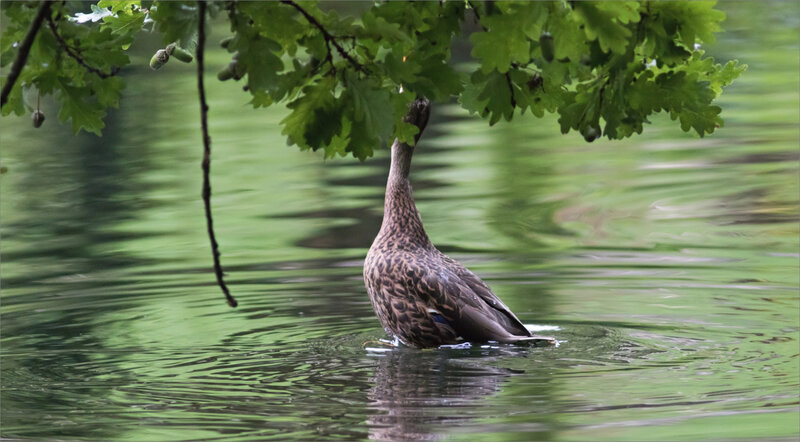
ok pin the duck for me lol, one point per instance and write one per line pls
(422, 297)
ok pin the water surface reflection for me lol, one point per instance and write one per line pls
(424, 395)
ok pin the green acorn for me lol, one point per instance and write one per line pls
(182, 55)
(225, 74)
(237, 69)
(226, 42)
(38, 118)
(233, 70)
(591, 133)
(546, 42)
(179, 53)
(160, 58)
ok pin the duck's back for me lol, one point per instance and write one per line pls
(393, 276)
(426, 299)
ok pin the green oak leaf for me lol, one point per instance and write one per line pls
(499, 46)
(176, 20)
(436, 80)
(275, 21)
(382, 31)
(607, 22)
(691, 20)
(497, 93)
(315, 116)
(371, 104)
(569, 41)
(470, 98)
(84, 114)
(339, 143)
(257, 57)
(723, 76)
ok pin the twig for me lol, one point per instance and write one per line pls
(511, 90)
(329, 39)
(24, 50)
(76, 56)
(201, 40)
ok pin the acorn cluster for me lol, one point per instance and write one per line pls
(233, 69)
(161, 57)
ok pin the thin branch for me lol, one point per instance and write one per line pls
(329, 39)
(201, 40)
(329, 56)
(24, 50)
(511, 90)
(72, 53)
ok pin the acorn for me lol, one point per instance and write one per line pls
(182, 55)
(237, 69)
(225, 74)
(38, 118)
(179, 53)
(160, 58)
(546, 42)
(232, 70)
(591, 133)
(226, 42)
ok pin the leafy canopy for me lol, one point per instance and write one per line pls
(604, 67)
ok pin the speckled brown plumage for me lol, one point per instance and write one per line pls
(421, 296)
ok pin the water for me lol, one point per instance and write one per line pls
(668, 263)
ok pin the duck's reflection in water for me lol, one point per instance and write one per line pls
(418, 394)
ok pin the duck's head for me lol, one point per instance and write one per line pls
(418, 113)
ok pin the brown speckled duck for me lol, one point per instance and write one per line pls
(421, 296)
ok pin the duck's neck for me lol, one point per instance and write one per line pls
(400, 215)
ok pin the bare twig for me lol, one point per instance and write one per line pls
(72, 53)
(511, 90)
(201, 40)
(24, 50)
(329, 39)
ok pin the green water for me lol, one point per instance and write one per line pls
(668, 263)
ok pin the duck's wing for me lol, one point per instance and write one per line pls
(470, 306)
(485, 293)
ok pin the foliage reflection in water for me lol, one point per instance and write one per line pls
(669, 264)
